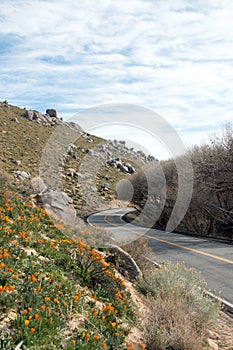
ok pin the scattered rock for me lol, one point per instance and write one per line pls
(17, 162)
(72, 154)
(212, 344)
(105, 187)
(124, 167)
(14, 119)
(21, 175)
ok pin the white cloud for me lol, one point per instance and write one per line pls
(174, 57)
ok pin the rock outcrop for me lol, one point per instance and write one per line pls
(52, 113)
(56, 203)
(124, 262)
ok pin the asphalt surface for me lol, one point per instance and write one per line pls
(214, 260)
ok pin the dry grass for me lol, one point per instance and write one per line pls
(171, 326)
(180, 312)
(5, 178)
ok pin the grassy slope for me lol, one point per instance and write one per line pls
(51, 298)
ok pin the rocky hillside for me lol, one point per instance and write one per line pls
(24, 135)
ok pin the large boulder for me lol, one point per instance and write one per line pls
(21, 175)
(34, 115)
(51, 112)
(59, 205)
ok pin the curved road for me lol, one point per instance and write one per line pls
(213, 259)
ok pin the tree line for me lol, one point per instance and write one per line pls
(210, 212)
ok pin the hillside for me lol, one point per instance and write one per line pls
(57, 289)
(23, 142)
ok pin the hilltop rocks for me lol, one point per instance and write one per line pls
(48, 119)
(5, 104)
(34, 115)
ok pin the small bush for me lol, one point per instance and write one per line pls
(180, 310)
(171, 326)
(141, 253)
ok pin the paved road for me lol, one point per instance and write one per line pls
(213, 259)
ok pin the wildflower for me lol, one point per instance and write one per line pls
(96, 337)
(26, 323)
(5, 254)
(32, 330)
(104, 346)
(25, 312)
(47, 299)
(87, 337)
(34, 279)
(51, 320)
(83, 335)
(36, 316)
(73, 342)
(12, 288)
(56, 301)
(43, 307)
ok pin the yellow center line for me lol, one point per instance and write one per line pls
(173, 244)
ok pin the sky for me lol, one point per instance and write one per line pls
(173, 57)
